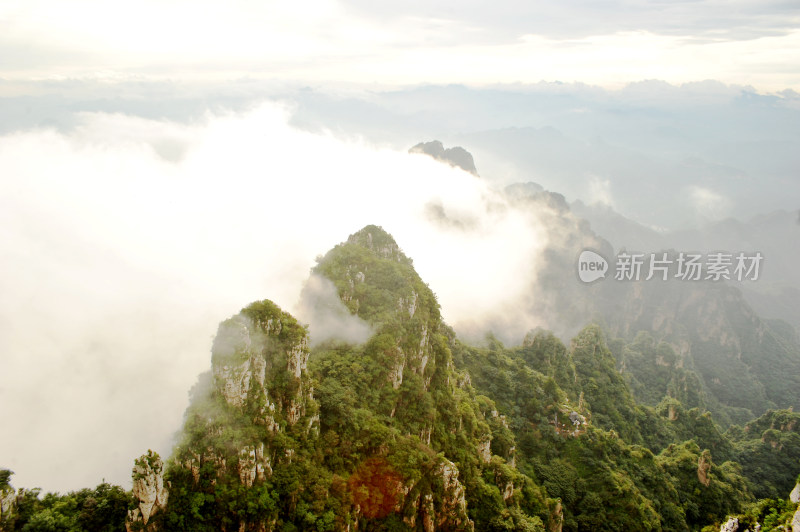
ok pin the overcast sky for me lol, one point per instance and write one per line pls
(750, 42)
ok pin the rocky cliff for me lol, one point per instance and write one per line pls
(343, 436)
(456, 156)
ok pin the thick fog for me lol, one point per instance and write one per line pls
(125, 241)
(326, 315)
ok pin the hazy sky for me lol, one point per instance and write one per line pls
(753, 42)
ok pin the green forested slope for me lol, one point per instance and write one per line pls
(414, 429)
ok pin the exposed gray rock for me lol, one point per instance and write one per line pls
(703, 468)
(453, 512)
(457, 156)
(8, 502)
(428, 514)
(253, 465)
(409, 304)
(242, 353)
(148, 489)
(508, 491)
(485, 450)
(396, 372)
(298, 358)
(234, 382)
(577, 419)
(556, 521)
(732, 525)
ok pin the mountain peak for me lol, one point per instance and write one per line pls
(456, 156)
(375, 280)
(381, 243)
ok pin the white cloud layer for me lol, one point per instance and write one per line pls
(708, 204)
(757, 43)
(124, 242)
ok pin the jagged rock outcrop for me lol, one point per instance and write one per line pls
(447, 511)
(485, 450)
(731, 525)
(8, 500)
(453, 512)
(209, 456)
(368, 286)
(556, 520)
(246, 349)
(672, 413)
(248, 412)
(794, 496)
(456, 156)
(395, 432)
(149, 490)
(703, 468)
(796, 521)
(253, 464)
(379, 242)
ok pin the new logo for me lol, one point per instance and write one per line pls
(591, 266)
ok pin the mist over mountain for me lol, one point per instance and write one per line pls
(413, 429)
(667, 156)
(456, 156)
(643, 149)
(421, 266)
(771, 234)
(114, 290)
(669, 371)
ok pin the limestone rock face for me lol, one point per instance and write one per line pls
(148, 489)
(298, 359)
(556, 521)
(703, 468)
(508, 491)
(198, 458)
(8, 501)
(794, 496)
(382, 282)
(396, 371)
(673, 413)
(485, 450)
(258, 387)
(253, 465)
(235, 381)
(453, 513)
(379, 243)
(796, 521)
(732, 525)
(428, 514)
(446, 513)
(245, 352)
(234, 378)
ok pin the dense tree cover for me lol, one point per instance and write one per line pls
(655, 371)
(102, 509)
(622, 470)
(414, 426)
(771, 514)
(769, 450)
(398, 431)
